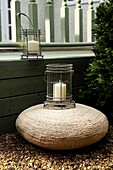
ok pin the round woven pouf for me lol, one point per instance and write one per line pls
(62, 129)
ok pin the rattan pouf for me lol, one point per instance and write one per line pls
(62, 129)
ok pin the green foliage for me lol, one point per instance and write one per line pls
(98, 89)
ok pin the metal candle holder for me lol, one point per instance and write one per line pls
(59, 86)
(31, 41)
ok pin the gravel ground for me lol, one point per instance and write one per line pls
(18, 154)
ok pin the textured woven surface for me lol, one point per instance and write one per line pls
(62, 129)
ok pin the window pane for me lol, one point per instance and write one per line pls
(10, 36)
(9, 3)
(9, 16)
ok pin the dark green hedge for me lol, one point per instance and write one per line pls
(98, 90)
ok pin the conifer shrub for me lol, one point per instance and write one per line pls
(98, 88)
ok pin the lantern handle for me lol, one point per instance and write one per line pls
(18, 18)
(45, 76)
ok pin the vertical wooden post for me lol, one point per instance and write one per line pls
(64, 22)
(33, 13)
(90, 22)
(49, 22)
(0, 30)
(78, 22)
(16, 28)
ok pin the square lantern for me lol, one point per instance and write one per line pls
(31, 41)
(59, 86)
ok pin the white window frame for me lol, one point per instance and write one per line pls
(4, 21)
(71, 2)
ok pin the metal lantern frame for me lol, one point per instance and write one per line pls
(34, 35)
(59, 86)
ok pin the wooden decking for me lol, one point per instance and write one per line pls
(22, 81)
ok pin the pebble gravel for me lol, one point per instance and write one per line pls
(18, 154)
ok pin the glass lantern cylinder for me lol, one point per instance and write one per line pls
(59, 85)
(30, 40)
(31, 43)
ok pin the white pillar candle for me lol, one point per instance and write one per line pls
(33, 46)
(59, 91)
